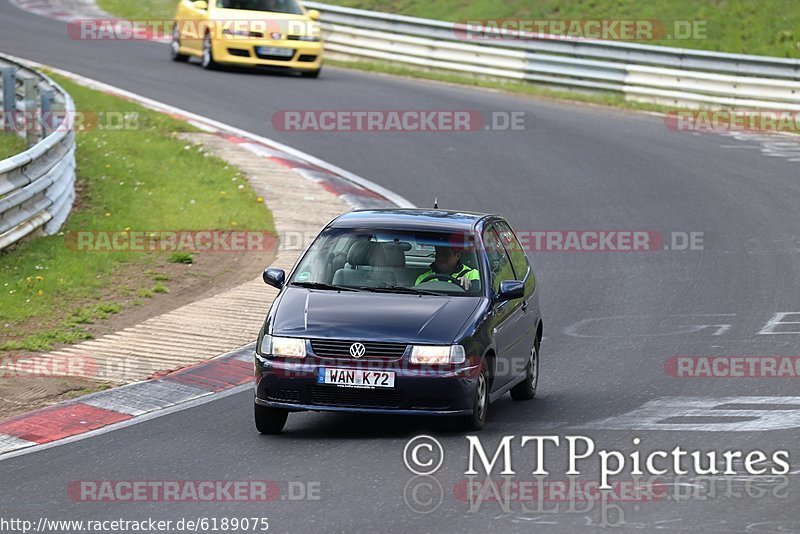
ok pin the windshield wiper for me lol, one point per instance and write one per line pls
(322, 285)
(399, 289)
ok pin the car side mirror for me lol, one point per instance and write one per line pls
(274, 277)
(511, 289)
(200, 5)
(313, 14)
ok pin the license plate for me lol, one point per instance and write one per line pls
(356, 378)
(274, 51)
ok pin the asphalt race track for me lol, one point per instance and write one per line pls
(611, 319)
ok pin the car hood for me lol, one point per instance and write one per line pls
(371, 316)
(244, 14)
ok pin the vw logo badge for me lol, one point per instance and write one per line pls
(357, 350)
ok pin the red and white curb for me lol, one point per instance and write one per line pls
(107, 409)
(203, 382)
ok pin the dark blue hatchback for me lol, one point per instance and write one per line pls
(401, 311)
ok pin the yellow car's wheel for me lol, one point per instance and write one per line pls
(175, 46)
(207, 61)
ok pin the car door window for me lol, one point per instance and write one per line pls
(514, 249)
(499, 262)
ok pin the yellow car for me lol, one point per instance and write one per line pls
(255, 33)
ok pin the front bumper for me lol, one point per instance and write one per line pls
(291, 385)
(235, 51)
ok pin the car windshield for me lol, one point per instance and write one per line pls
(273, 6)
(391, 261)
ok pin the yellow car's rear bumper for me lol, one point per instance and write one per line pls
(305, 55)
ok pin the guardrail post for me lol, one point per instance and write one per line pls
(32, 130)
(47, 121)
(9, 98)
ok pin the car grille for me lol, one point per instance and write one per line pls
(339, 396)
(334, 348)
(274, 58)
(284, 395)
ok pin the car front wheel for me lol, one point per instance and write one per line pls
(175, 46)
(480, 403)
(526, 389)
(207, 60)
(270, 420)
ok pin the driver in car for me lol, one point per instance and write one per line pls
(448, 262)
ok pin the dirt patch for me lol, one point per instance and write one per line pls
(22, 394)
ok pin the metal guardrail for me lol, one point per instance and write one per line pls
(37, 187)
(648, 73)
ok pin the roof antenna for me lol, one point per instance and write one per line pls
(436, 203)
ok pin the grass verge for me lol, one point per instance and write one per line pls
(143, 9)
(11, 145)
(141, 178)
(769, 28)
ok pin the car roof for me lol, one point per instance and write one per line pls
(410, 219)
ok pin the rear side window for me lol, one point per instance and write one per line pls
(510, 241)
(499, 263)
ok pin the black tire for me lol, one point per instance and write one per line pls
(207, 59)
(270, 420)
(526, 390)
(311, 73)
(480, 404)
(175, 47)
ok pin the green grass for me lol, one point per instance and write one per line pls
(765, 27)
(142, 179)
(11, 145)
(181, 257)
(68, 331)
(142, 9)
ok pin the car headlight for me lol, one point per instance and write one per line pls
(437, 354)
(284, 347)
(306, 38)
